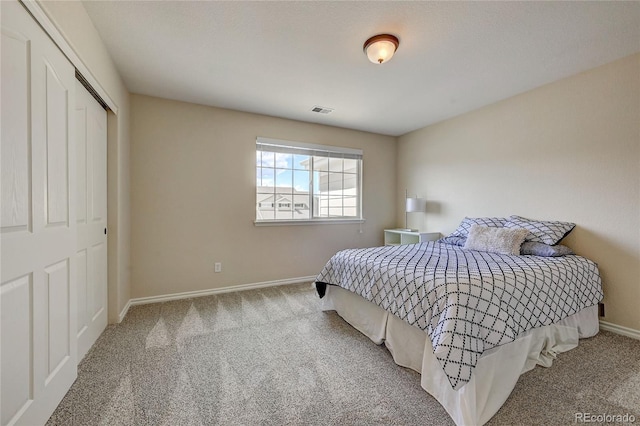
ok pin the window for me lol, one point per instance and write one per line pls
(305, 182)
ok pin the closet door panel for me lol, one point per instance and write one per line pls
(91, 142)
(16, 149)
(38, 226)
(15, 323)
(57, 149)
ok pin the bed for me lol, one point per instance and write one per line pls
(469, 321)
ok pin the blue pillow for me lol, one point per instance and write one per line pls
(545, 250)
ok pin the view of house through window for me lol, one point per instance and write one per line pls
(297, 181)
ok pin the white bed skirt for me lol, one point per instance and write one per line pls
(497, 371)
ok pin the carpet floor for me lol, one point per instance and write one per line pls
(272, 357)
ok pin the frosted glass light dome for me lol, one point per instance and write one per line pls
(380, 48)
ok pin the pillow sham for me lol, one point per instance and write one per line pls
(547, 232)
(456, 241)
(544, 250)
(492, 222)
(496, 240)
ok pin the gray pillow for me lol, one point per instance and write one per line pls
(495, 240)
(545, 250)
(463, 229)
(541, 231)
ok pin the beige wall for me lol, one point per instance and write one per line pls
(72, 21)
(193, 199)
(566, 151)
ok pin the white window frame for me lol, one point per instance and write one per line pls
(311, 150)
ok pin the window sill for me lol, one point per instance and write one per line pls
(307, 222)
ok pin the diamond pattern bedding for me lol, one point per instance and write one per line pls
(465, 226)
(467, 301)
(541, 231)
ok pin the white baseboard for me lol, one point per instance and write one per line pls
(124, 311)
(210, 292)
(618, 329)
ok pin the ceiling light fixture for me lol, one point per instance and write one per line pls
(380, 48)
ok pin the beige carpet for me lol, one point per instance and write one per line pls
(271, 357)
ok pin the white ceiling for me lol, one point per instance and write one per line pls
(283, 58)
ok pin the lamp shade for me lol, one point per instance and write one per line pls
(415, 205)
(380, 48)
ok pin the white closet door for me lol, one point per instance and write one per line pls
(91, 257)
(38, 347)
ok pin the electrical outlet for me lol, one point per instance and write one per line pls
(217, 267)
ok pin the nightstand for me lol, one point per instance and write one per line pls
(398, 236)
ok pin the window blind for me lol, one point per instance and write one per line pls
(300, 148)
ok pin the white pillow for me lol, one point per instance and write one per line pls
(496, 240)
(541, 231)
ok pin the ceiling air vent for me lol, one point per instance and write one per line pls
(321, 110)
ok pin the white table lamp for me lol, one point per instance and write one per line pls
(413, 205)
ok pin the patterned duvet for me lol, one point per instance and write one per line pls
(466, 301)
